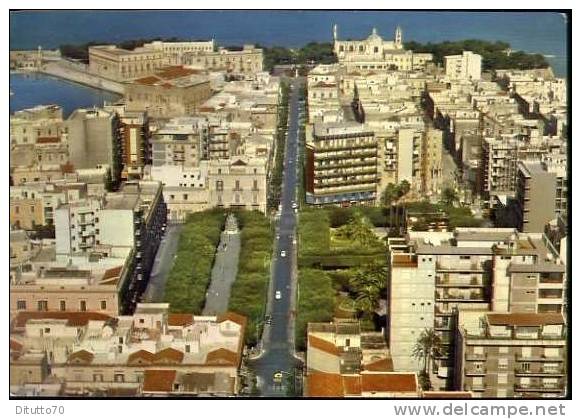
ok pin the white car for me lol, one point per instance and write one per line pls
(283, 254)
(277, 295)
(295, 206)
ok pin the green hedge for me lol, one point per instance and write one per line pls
(316, 302)
(191, 272)
(248, 294)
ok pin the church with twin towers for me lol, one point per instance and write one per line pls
(375, 53)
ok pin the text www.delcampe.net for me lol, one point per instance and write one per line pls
(466, 409)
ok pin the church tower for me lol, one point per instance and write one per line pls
(398, 37)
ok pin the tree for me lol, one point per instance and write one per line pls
(449, 196)
(427, 347)
(368, 283)
(359, 229)
(394, 192)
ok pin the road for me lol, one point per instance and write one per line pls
(224, 270)
(162, 265)
(278, 338)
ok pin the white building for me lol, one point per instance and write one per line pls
(467, 66)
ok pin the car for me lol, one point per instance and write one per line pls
(268, 319)
(277, 295)
(283, 253)
(295, 206)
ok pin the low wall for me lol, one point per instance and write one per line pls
(77, 75)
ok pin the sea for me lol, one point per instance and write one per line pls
(530, 31)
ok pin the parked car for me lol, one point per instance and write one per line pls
(277, 295)
(283, 254)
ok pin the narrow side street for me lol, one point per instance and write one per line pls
(162, 265)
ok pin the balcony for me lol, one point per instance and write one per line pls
(545, 372)
(459, 297)
(539, 388)
(538, 358)
(460, 267)
(445, 281)
(475, 357)
(475, 373)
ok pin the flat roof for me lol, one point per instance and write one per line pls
(525, 319)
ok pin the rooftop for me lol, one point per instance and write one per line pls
(524, 319)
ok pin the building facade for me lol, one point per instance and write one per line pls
(341, 165)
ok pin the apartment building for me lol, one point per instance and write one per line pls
(149, 353)
(541, 193)
(135, 140)
(120, 64)
(33, 204)
(342, 361)
(431, 275)
(180, 142)
(29, 125)
(341, 164)
(465, 66)
(500, 156)
(511, 355)
(94, 139)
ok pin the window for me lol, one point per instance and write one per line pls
(47, 330)
(219, 185)
(502, 364)
(525, 366)
(42, 305)
(62, 305)
(119, 378)
(21, 305)
(83, 305)
(188, 348)
(103, 305)
(237, 185)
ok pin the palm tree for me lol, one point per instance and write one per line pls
(427, 347)
(449, 196)
(368, 283)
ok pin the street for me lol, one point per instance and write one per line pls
(162, 265)
(278, 338)
(224, 270)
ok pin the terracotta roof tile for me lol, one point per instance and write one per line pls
(385, 365)
(178, 319)
(149, 80)
(15, 345)
(323, 345)
(169, 356)
(141, 357)
(525, 319)
(351, 385)
(234, 317)
(74, 319)
(81, 357)
(388, 382)
(169, 73)
(48, 140)
(322, 384)
(158, 380)
(112, 272)
(222, 356)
